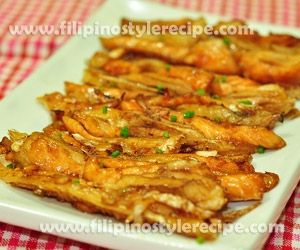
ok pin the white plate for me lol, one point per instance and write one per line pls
(20, 110)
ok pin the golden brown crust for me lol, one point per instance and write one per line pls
(146, 141)
(274, 58)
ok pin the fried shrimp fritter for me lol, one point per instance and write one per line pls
(162, 128)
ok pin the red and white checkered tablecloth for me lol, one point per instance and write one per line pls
(20, 55)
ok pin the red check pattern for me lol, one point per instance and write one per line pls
(21, 55)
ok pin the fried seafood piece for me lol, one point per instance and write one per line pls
(192, 201)
(269, 97)
(211, 130)
(45, 155)
(239, 174)
(105, 82)
(77, 97)
(147, 133)
(266, 59)
(268, 104)
(93, 123)
(222, 85)
(274, 58)
(195, 77)
(236, 89)
(204, 106)
(48, 154)
(221, 114)
(199, 55)
(255, 39)
(146, 141)
(164, 26)
(254, 183)
(224, 110)
(267, 66)
(142, 84)
(238, 187)
(257, 136)
(270, 100)
(218, 165)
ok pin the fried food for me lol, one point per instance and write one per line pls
(264, 106)
(274, 58)
(147, 141)
(186, 186)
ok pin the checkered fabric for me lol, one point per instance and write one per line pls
(20, 55)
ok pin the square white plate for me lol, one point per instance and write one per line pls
(20, 110)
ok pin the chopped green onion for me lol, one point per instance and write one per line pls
(200, 240)
(105, 110)
(76, 181)
(220, 79)
(168, 67)
(160, 89)
(124, 132)
(201, 92)
(188, 114)
(215, 97)
(173, 118)
(115, 154)
(10, 166)
(245, 102)
(60, 135)
(158, 151)
(226, 41)
(166, 134)
(217, 119)
(223, 78)
(260, 150)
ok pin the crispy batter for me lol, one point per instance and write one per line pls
(274, 58)
(133, 204)
(268, 104)
(147, 141)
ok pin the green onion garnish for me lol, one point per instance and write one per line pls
(173, 118)
(223, 78)
(220, 79)
(10, 166)
(160, 89)
(60, 135)
(245, 102)
(188, 114)
(168, 67)
(166, 134)
(76, 181)
(200, 240)
(105, 110)
(115, 154)
(226, 41)
(216, 97)
(260, 150)
(201, 92)
(217, 119)
(158, 151)
(124, 132)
